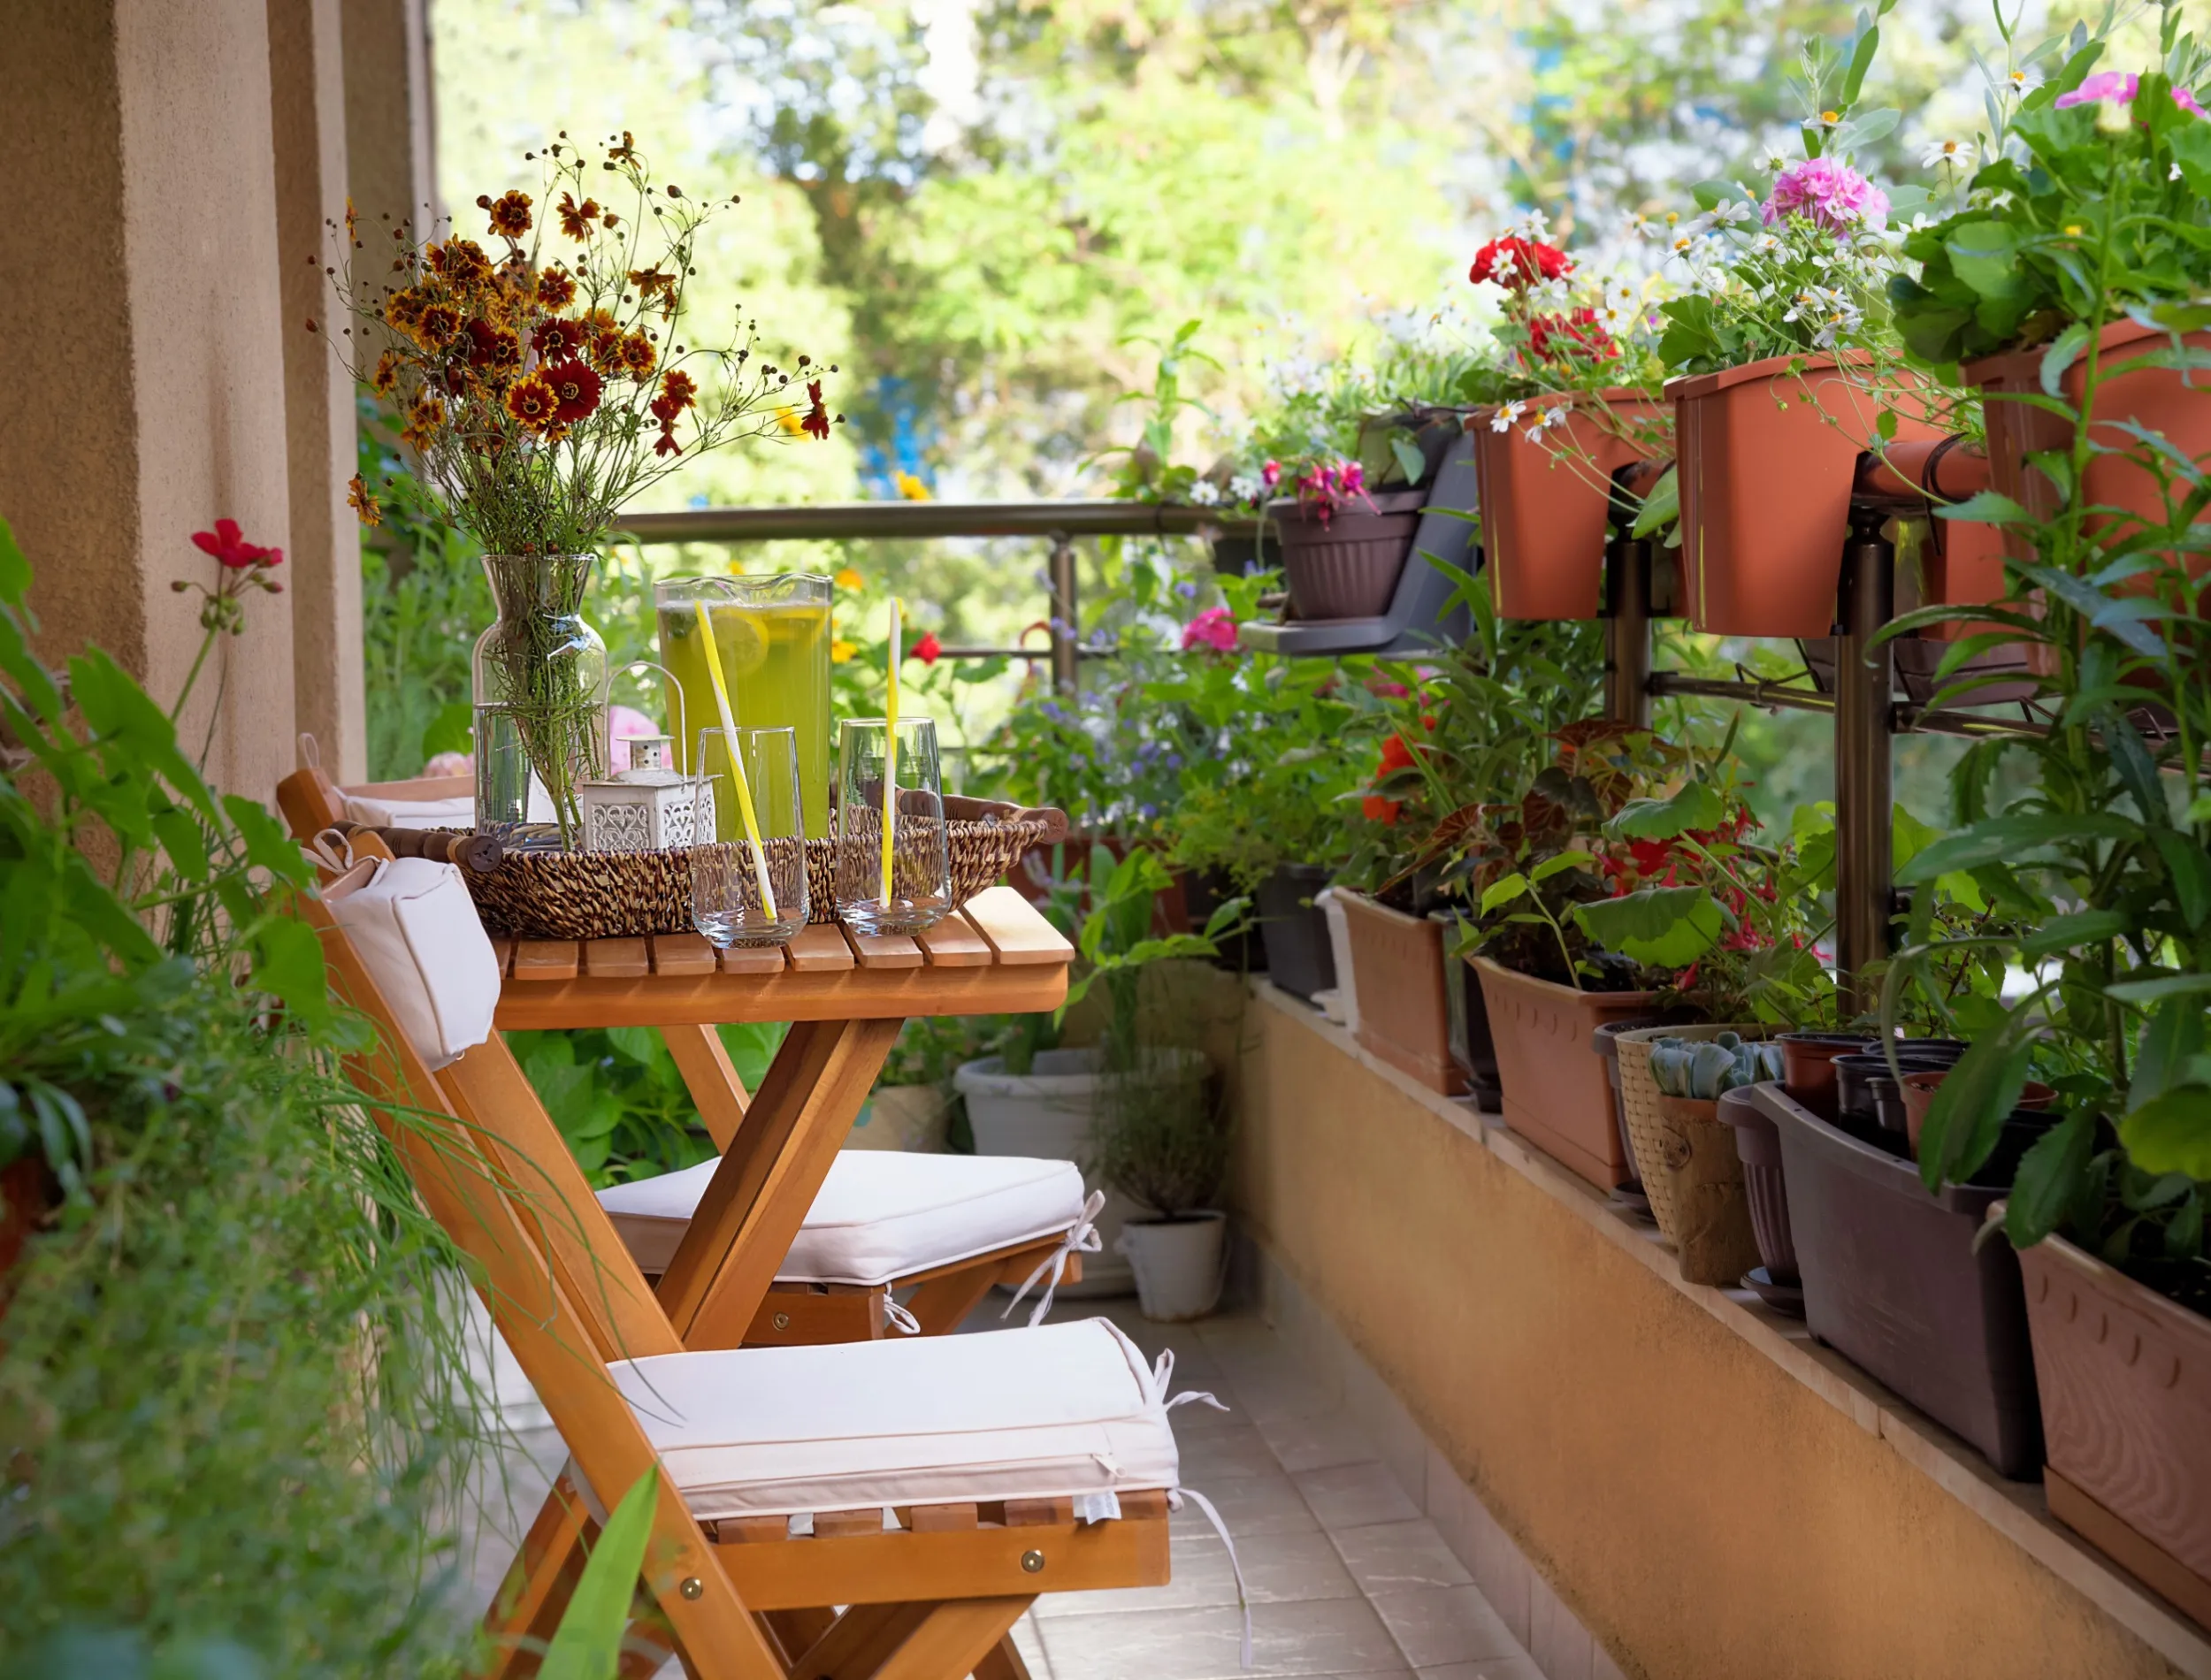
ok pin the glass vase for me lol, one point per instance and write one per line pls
(540, 702)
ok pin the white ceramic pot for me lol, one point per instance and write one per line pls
(1180, 1264)
(1047, 1114)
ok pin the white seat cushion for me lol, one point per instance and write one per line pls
(1065, 1409)
(412, 813)
(880, 1215)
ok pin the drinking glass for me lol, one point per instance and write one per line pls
(920, 887)
(727, 905)
(773, 635)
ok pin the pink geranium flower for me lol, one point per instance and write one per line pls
(1214, 628)
(1833, 196)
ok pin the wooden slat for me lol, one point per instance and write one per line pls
(1038, 1513)
(503, 952)
(537, 959)
(810, 1320)
(755, 1530)
(1015, 929)
(836, 1526)
(851, 994)
(752, 959)
(680, 954)
(952, 944)
(883, 951)
(941, 1519)
(616, 959)
(820, 949)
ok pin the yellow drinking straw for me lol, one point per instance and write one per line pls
(891, 754)
(736, 762)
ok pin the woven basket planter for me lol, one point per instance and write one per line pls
(1642, 1107)
(625, 894)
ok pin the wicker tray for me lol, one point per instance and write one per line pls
(625, 894)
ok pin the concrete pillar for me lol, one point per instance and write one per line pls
(144, 336)
(391, 134)
(307, 85)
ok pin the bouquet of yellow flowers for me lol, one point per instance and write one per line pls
(541, 387)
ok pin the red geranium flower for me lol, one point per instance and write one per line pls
(1396, 755)
(929, 650)
(227, 543)
(1517, 263)
(1581, 326)
(1378, 809)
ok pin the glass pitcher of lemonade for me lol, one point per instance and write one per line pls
(773, 636)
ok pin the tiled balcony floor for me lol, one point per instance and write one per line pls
(1346, 1577)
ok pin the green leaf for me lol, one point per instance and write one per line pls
(15, 569)
(2171, 1133)
(1558, 863)
(2000, 838)
(1661, 508)
(640, 1044)
(2171, 1041)
(587, 1645)
(289, 964)
(453, 729)
(1694, 806)
(1969, 1106)
(1986, 508)
(1669, 927)
(2063, 352)
(2049, 1180)
(1503, 892)
(2083, 928)
(1410, 461)
(1985, 255)
(2156, 991)
(2190, 867)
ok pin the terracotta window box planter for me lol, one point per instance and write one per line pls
(2125, 1380)
(1767, 454)
(1404, 1014)
(2159, 399)
(1544, 503)
(1892, 1281)
(1556, 1093)
(1348, 566)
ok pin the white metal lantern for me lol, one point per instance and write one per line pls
(651, 807)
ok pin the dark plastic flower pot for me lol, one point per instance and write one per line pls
(1474, 1047)
(1892, 1280)
(1295, 930)
(1758, 1146)
(1347, 568)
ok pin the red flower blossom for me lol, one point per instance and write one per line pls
(575, 387)
(1214, 628)
(929, 650)
(816, 424)
(227, 543)
(1396, 755)
(1581, 327)
(1517, 263)
(666, 444)
(1377, 809)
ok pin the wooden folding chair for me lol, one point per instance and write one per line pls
(942, 1294)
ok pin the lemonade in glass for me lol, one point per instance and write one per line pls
(773, 636)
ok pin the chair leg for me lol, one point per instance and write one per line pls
(941, 1303)
(538, 1584)
(794, 1632)
(1003, 1662)
(956, 1637)
(860, 1641)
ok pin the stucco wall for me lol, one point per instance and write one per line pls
(1706, 1514)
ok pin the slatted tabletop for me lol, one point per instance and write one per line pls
(995, 956)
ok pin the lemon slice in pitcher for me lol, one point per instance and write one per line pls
(740, 640)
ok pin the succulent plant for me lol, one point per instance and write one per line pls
(1702, 1068)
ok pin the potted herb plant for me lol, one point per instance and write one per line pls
(544, 387)
(1040, 1097)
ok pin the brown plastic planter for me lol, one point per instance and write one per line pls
(2125, 1378)
(2164, 399)
(1555, 1092)
(1397, 971)
(1348, 566)
(1919, 1089)
(1766, 454)
(1807, 1067)
(1544, 503)
(1892, 1281)
(1758, 1147)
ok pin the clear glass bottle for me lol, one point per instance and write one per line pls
(540, 702)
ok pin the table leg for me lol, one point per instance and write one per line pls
(769, 1177)
(711, 1078)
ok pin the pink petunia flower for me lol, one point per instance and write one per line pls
(1214, 628)
(1833, 196)
(2187, 101)
(2106, 87)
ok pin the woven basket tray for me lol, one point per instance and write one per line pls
(625, 894)
(1646, 1121)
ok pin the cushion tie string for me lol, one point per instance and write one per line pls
(1082, 1238)
(899, 1319)
(1243, 1601)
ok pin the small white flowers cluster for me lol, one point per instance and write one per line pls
(1246, 488)
(1204, 493)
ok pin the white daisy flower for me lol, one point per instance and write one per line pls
(1204, 493)
(1502, 421)
(1956, 153)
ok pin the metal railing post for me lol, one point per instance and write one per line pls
(1864, 796)
(1066, 625)
(1627, 631)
